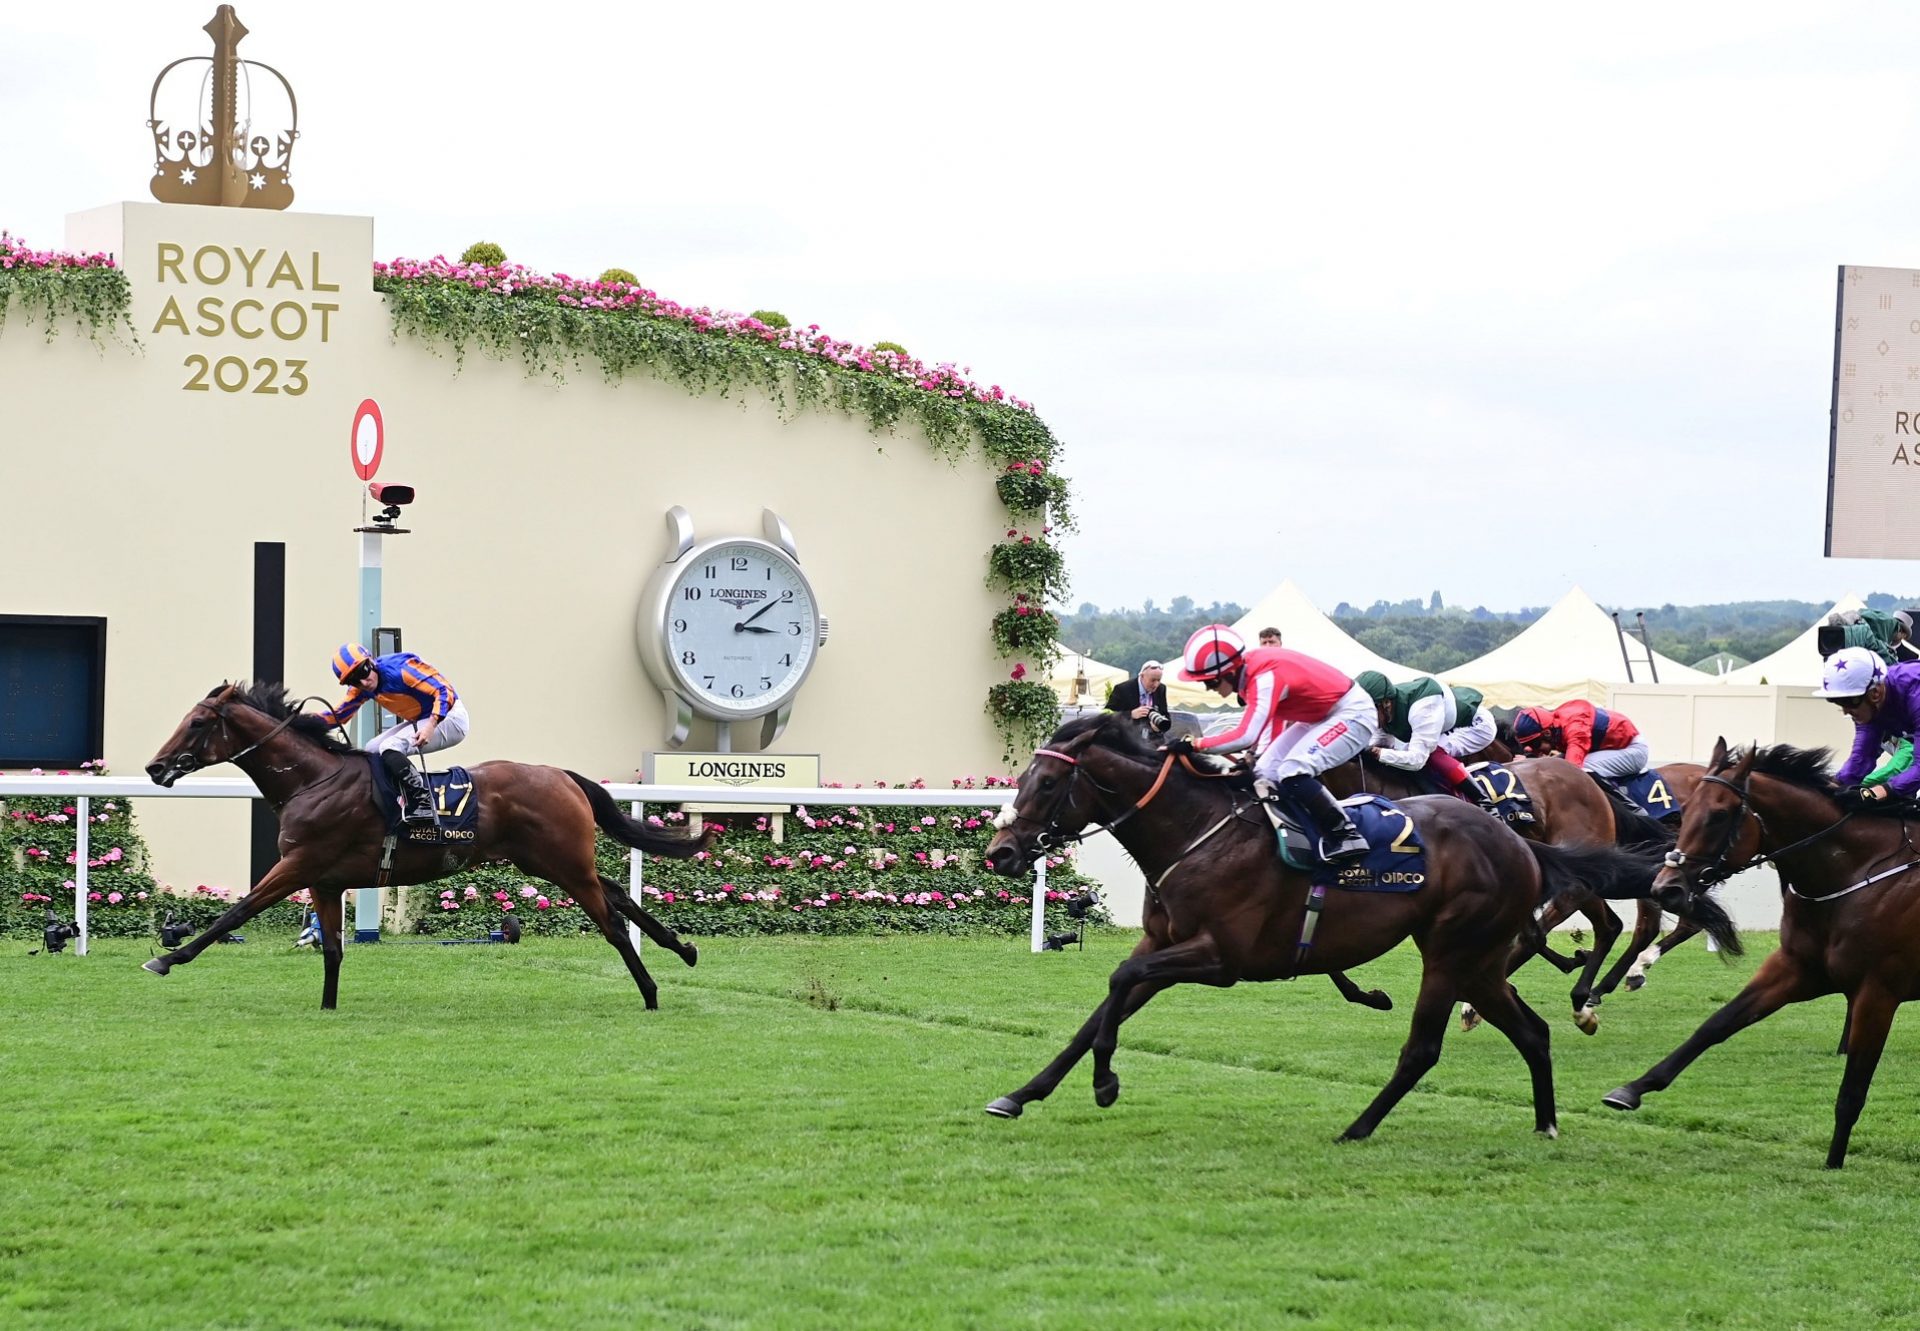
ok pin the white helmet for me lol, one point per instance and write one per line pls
(1849, 672)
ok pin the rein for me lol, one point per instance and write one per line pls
(1051, 835)
(1719, 871)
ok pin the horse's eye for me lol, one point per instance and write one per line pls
(196, 723)
(1046, 783)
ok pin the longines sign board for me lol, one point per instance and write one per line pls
(1873, 444)
(735, 771)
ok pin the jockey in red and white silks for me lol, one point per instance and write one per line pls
(1302, 718)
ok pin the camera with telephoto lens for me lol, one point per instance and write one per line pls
(1158, 722)
(1077, 909)
(57, 932)
(174, 932)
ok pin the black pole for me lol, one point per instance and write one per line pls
(269, 662)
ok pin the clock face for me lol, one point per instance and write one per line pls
(740, 627)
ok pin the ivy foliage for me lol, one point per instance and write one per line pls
(51, 288)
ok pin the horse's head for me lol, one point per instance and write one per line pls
(1719, 833)
(204, 738)
(1057, 795)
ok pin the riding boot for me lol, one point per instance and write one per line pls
(1339, 838)
(1475, 793)
(416, 801)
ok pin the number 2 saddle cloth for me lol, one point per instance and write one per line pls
(1395, 862)
(456, 808)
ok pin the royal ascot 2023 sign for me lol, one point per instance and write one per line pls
(277, 300)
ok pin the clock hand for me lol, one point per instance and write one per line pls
(751, 628)
(756, 614)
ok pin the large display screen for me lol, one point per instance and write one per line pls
(1873, 454)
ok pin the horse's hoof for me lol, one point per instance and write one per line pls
(1106, 1092)
(1468, 1018)
(653, 1002)
(1378, 999)
(1580, 956)
(1352, 1134)
(1005, 1107)
(1551, 1132)
(1623, 1097)
(1635, 981)
(158, 965)
(1587, 1020)
(690, 954)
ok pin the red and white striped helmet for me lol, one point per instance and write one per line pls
(1211, 652)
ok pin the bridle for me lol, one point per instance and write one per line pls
(1053, 833)
(1712, 875)
(188, 760)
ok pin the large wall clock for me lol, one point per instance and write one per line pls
(729, 629)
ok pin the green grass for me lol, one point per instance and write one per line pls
(502, 1137)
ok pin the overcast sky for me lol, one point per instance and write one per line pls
(1306, 290)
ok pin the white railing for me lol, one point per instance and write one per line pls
(86, 789)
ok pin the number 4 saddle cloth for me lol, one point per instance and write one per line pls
(1396, 862)
(456, 808)
(1650, 794)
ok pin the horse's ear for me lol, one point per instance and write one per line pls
(1719, 758)
(1745, 763)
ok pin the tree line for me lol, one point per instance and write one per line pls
(1431, 635)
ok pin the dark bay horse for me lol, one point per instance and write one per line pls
(1221, 907)
(1850, 914)
(540, 818)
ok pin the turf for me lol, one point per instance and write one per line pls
(493, 1136)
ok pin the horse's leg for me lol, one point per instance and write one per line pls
(1606, 928)
(1502, 1005)
(614, 929)
(327, 905)
(1870, 1012)
(622, 901)
(1846, 1028)
(1376, 999)
(1009, 1106)
(1682, 931)
(279, 883)
(1194, 960)
(1419, 1053)
(1645, 925)
(1551, 915)
(1778, 982)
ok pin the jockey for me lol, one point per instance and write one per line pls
(1302, 718)
(1883, 702)
(432, 717)
(1605, 744)
(1424, 724)
(1884, 633)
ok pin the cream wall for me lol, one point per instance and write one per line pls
(540, 517)
(1681, 721)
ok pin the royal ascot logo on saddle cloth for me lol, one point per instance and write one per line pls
(1396, 859)
(456, 811)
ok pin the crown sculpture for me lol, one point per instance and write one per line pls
(220, 160)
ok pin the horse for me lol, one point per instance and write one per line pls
(1846, 925)
(1569, 809)
(542, 819)
(1222, 907)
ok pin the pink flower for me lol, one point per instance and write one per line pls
(114, 898)
(1019, 671)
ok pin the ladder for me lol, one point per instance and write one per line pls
(1639, 633)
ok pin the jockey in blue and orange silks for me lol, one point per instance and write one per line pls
(431, 715)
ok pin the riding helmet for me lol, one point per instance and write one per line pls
(1212, 652)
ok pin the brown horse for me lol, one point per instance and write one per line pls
(1569, 809)
(540, 818)
(1221, 906)
(1850, 919)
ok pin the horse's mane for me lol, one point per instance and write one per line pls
(1807, 768)
(1106, 730)
(271, 699)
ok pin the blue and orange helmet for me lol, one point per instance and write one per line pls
(350, 657)
(1529, 726)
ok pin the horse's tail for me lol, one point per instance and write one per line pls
(1620, 875)
(632, 832)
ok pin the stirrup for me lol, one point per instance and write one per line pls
(1350, 846)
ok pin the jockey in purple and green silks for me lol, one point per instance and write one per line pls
(1883, 702)
(431, 715)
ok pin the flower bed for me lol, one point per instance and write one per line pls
(847, 870)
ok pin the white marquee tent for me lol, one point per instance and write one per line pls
(1304, 629)
(1797, 663)
(1101, 677)
(1572, 651)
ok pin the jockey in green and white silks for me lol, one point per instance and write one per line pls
(1426, 725)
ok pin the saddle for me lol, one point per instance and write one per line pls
(456, 811)
(1647, 793)
(1505, 791)
(1395, 862)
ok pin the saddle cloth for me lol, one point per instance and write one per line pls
(1650, 794)
(1396, 862)
(456, 809)
(1503, 786)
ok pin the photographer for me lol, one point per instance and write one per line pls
(1143, 699)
